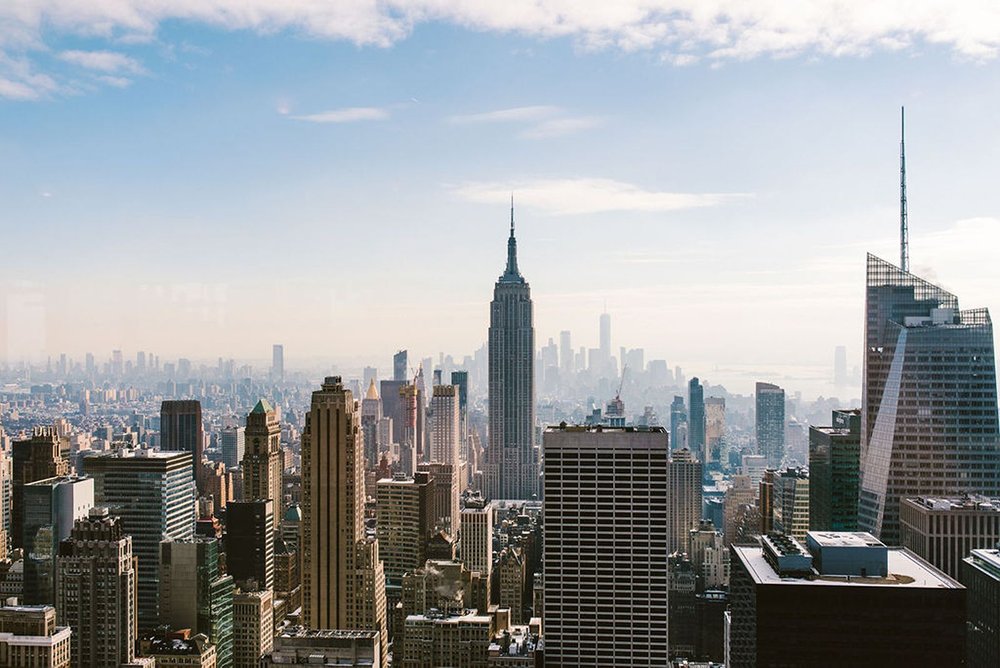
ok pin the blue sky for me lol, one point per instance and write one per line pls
(207, 184)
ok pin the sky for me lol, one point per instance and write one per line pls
(204, 178)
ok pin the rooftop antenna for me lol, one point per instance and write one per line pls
(512, 214)
(904, 232)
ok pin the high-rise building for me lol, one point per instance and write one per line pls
(445, 494)
(981, 577)
(605, 585)
(29, 637)
(791, 503)
(848, 596)
(95, 591)
(742, 492)
(834, 462)
(37, 458)
(770, 423)
(50, 508)
(477, 538)
(195, 594)
(263, 461)
(945, 530)
(460, 379)
(400, 367)
(181, 429)
(605, 342)
(233, 446)
(511, 461)
(253, 627)
(180, 649)
(715, 431)
(678, 419)
(565, 352)
(371, 413)
(685, 498)
(754, 467)
(343, 582)
(278, 362)
(153, 494)
(405, 511)
(709, 557)
(250, 542)
(445, 426)
(326, 647)
(929, 426)
(511, 576)
(696, 417)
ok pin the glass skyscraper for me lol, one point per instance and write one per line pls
(770, 423)
(696, 417)
(929, 424)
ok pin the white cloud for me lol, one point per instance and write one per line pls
(346, 115)
(102, 61)
(513, 115)
(544, 120)
(586, 195)
(559, 127)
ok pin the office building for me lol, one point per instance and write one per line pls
(715, 431)
(29, 638)
(929, 422)
(180, 649)
(153, 495)
(944, 531)
(696, 418)
(442, 639)
(253, 627)
(233, 446)
(709, 557)
(263, 461)
(753, 466)
(511, 470)
(250, 543)
(37, 458)
(606, 518)
(685, 498)
(445, 494)
(770, 423)
(566, 353)
(512, 579)
(741, 493)
(50, 509)
(446, 426)
(477, 537)
(678, 424)
(400, 367)
(460, 379)
(278, 362)
(791, 503)
(683, 587)
(834, 473)
(343, 582)
(95, 591)
(371, 414)
(847, 596)
(195, 594)
(327, 647)
(405, 511)
(980, 574)
(182, 429)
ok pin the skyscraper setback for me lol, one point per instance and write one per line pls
(511, 462)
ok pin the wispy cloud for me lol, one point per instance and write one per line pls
(542, 121)
(587, 195)
(559, 127)
(103, 61)
(512, 115)
(346, 115)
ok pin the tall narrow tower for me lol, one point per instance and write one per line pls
(904, 231)
(343, 582)
(511, 462)
(263, 461)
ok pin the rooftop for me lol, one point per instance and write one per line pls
(580, 428)
(951, 504)
(845, 539)
(985, 560)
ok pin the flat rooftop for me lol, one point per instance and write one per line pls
(983, 504)
(598, 428)
(905, 570)
(845, 539)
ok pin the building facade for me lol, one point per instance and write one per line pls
(685, 498)
(945, 530)
(263, 461)
(834, 473)
(770, 423)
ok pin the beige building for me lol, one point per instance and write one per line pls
(405, 512)
(29, 638)
(96, 590)
(715, 429)
(741, 492)
(685, 498)
(180, 650)
(447, 640)
(446, 426)
(477, 537)
(709, 557)
(511, 575)
(253, 627)
(944, 531)
(345, 649)
(263, 461)
(343, 582)
(446, 493)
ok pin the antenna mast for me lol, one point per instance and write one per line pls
(904, 232)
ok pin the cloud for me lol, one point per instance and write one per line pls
(559, 127)
(586, 195)
(515, 114)
(102, 61)
(546, 120)
(346, 115)
(19, 80)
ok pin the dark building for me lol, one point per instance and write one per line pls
(50, 508)
(37, 458)
(834, 463)
(683, 584)
(981, 577)
(929, 426)
(944, 531)
(678, 417)
(710, 625)
(847, 599)
(400, 370)
(696, 417)
(250, 543)
(770, 423)
(181, 429)
(394, 407)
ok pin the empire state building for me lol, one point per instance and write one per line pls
(511, 462)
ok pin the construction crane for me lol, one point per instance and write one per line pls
(618, 395)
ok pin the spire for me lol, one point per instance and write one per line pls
(904, 232)
(511, 270)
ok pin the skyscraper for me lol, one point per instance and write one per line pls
(678, 417)
(833, 473)
(181, 429)
(250, 542)
(37, 458)
(445, 426)
(605, 340)
(511, 462)
(405, 511)
(685, 498)
(770, 423)
(696, 418)
(715, 431)
(153, 494)
(565, 353)
(929, 426)
(253, 627)
(95, 591)
(278, 362)
(343, 582)
(399, 367)
(371, 413)
(233, 446)
(606, 585)
(263, 463)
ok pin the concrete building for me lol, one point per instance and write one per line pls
(343, 582)
(678, 424)
(740, 494)
(945, 530)
(834, 473)
(233, 446)
(250, 543)
(253, 627)
(847, 596)
(438, 639)
(446, 426)
(685, 498)
(445, 495)
(930, 424)
(606, 518)
(196, 595)
(325, 647)
(154, 495)
(29, 638)
(696, 418)
(37, 458)
(405, 512)
(182, 430)
(371, 414)
(96, 591)
(791, 503)
(709, 557)
(512, 580)
(770, 423)
(981, 577)
(180, 650)
(753, 466)
(715, 431)
(511, 470)
(262, 463)
(278, 362)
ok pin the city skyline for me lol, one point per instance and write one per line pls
(716, 185)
